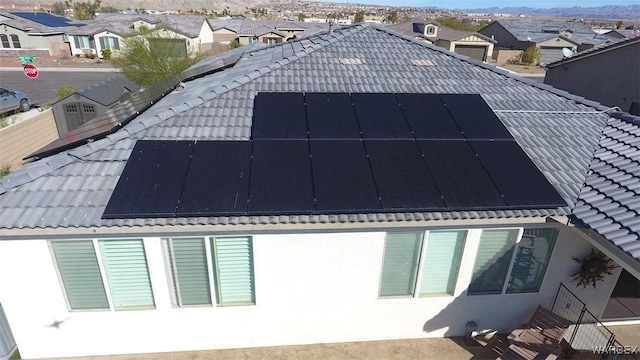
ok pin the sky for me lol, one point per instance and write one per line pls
(477, 4)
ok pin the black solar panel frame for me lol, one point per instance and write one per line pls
(209, 190)
(279, 115)
(331, 116)
(343, 179)
(380, 116)
(428, 117)
(474, 117)
(462, 179)
(151, 182)
(281, 178)
(516, 176)
(403, 179)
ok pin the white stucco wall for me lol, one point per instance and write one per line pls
(311, 288)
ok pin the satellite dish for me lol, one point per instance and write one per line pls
(567, 52)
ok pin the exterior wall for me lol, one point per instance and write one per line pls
(604, 77)
(309, 288)
(97, 37)
(35, 42)
(262, 38)
(503, 56)
(558, 42)
(221, 35)
(498, 33)
(23, 138)
(206, 34)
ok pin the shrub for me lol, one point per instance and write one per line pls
(90, 55)
(234, 44)
(65, 91)
(531, 55)
(106, 54)
(5, 170)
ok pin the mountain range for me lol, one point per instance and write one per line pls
(631, 12)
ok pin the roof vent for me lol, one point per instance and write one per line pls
(351, 61)
(423, 62)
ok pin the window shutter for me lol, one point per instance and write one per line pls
(492, 261)
(92, 43)
(191, 268)
(441, 262)
(126, 269)
(265, 40)
(233, 266)
(400, 265)
(78, 267)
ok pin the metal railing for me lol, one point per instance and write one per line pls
(587, 338)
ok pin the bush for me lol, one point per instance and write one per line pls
(5, 170)
(65, 91)
(90, 55)
(106, 54)
(531, 55)
(234, 44)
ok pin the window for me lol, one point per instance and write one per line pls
(168, 47)
(80, 274)
(16, 41)
(441, 262)
(532, 258)
(88, 108)
(188, 271)
(232, 259)
(82, 42)
(438, 258)
(5, 41)
(430, 30)
(83, 270)
(253, 39)
(109, 42)
(505, 254)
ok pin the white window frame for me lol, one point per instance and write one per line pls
(103, 275)
(81, 44)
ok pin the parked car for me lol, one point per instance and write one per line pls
(13, 100)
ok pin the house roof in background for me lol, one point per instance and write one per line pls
(557, 130)
(411, 28)
(254, 27)
(538, 31)
(122, 24)
(33, 27)
(596, 51)
(609, 202)
(46, 19)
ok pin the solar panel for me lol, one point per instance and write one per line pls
(516, 176)
(47, 19)
(463, 181)
(380, 116)
(279, 116)
(331, 116)
(151, 182)
(428, 117)
(281, 178)
(343, 181)
(402, 176)
(217, 182)
(475, 117)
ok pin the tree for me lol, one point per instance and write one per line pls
(109, 9)
(393, 17)
(59, 8)
(85, 10)
(531, 55)
(301, 17)
(359, 17)
(619, 25)
(147, 57)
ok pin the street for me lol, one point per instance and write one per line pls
(42, 90)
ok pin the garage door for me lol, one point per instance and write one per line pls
(473, 51)
(550, 54)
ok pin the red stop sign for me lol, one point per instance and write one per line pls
(30, 71)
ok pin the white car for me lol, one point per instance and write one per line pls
(13, 100)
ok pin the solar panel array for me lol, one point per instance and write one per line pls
(329, 153)
(120, 115)
(47, 19)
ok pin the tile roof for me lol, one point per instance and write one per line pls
(260, 27)
(597, 50)
(559, 131)
(32, 27)
(122, 24)
(538, 31)
(609, 202)
(411, 28)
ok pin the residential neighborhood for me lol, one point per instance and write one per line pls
(310, 183)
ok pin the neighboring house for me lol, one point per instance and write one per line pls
(85, 104)
(264, 31)
(549, 36)
(468, 43)
(354, 186)
(7, 342)
(108, 31)
(34, 33)
(604, 74)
